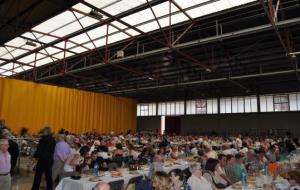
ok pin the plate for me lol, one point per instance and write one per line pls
(94, 179)
(237, 186)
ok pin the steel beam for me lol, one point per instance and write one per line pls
(201, 41)
(121, 15)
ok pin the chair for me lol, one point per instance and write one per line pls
(116, 185)
(133, 181)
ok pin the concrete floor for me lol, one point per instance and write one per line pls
(24, 178)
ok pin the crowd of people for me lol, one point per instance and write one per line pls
(214, 162)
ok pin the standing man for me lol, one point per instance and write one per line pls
(5, 179)
(44, 155)
(61, 153)
(13, 149)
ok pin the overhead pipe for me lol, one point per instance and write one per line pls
(207, 81)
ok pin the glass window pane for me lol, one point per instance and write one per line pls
(154, 108)
(188, 107)
(150, 109)
(209, 106)
(281, 102)
(159, 109)
(181, 110)
(235, 105)
(172, 108)
(228, 105)
(263, 103)
(298, 101)
(193, 107)
(138, 110)
(247, 104)
(215, 106)
(293, 102)
(222, 105)
(253, 104)
(177, 108)
(241, 105)
(270, 105)
(201, 106)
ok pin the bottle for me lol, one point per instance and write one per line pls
(189, 187)
(95, 169)
(244, 179)
(265, 169)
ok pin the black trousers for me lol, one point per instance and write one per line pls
(41, 168)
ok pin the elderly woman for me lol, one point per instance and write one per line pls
(197, 181)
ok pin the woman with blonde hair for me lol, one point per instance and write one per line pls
(161, 181)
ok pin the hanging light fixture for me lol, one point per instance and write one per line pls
(96, 14)
(30, 43)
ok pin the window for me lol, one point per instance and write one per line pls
(171, 108)
(281, 103)
(245, 104)
(276, 103)
(212, 106)
(294, 99)
(146, 109)
(202, 106)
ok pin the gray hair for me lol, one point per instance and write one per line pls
(194, 166)
(61, 137)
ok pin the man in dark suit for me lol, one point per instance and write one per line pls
(44, 155)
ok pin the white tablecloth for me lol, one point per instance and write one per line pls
(85, 184)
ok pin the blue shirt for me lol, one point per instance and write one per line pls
(62, 151)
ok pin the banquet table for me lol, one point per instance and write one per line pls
(85, 184)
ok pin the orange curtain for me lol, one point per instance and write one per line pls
(33, 106)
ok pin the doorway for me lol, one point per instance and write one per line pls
(172, 125)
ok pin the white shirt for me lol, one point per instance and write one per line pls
(230, 151)
(199, 183)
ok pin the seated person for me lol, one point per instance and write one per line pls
(197, 181)
(174, 153)
(84, 167)
(294, 179)
(95, 159)
(156, 165)
(238, 168)
(221, 169)
(213, 176)
(118, 151)
(229, 168)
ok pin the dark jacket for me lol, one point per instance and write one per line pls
(14, 152)
(45, 149)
